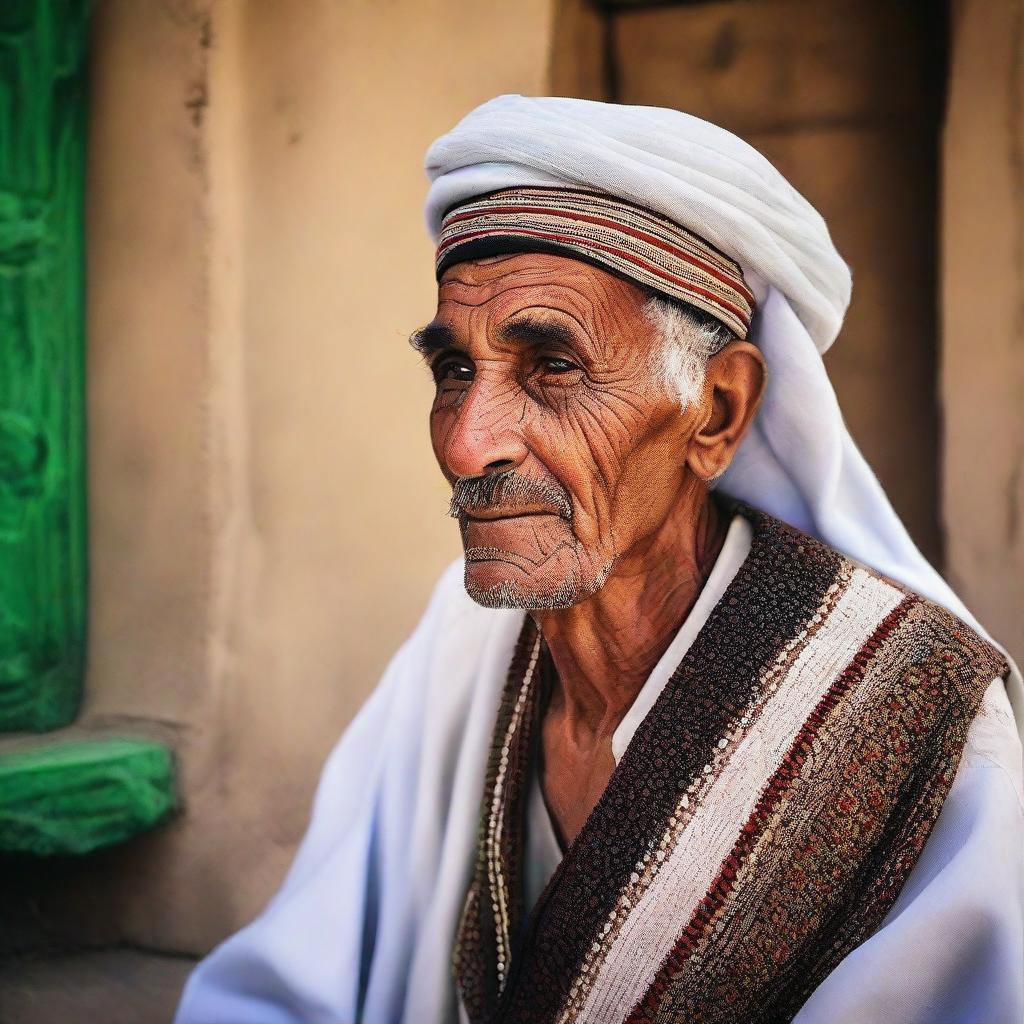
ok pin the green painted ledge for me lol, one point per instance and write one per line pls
(77, 796)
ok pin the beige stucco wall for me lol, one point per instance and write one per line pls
(267, 519)
(982, 378)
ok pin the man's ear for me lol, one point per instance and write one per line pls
(734, 383)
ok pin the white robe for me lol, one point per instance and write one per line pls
(363, 927)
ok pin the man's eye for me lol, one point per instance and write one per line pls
(453, 370)
(553, 364)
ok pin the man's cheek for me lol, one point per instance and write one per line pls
(592, 448)
(441, 423)
(591, 488)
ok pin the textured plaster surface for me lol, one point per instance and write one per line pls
(982, 376)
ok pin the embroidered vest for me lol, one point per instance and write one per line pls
(759, 825)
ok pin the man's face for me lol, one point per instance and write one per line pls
(564, 452)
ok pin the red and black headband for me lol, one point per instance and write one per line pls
(607, 232)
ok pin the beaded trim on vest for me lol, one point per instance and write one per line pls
(762, 820)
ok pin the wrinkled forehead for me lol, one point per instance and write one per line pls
(504, 285)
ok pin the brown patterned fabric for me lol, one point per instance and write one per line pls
(762, 820)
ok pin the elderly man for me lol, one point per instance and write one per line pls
(711, 741)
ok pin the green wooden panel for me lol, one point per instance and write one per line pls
(42, 420)
(75, 797)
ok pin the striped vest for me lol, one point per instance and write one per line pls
(762, 820)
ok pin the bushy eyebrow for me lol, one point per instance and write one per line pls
(527, 328)
(432, 338)
(534, 330)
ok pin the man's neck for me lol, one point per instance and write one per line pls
(604, 648)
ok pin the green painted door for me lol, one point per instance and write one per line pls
(42, 329)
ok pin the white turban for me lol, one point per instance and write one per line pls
(798, 461)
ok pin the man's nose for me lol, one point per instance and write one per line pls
(486, 436)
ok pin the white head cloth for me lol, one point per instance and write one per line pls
(798, 462)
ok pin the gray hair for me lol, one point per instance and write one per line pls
(689, 338)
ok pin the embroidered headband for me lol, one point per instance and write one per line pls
(607, 232)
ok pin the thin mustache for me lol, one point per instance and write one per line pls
(495, 489)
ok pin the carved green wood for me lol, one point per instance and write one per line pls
(73, 794)
(42, 427)
(76, 797)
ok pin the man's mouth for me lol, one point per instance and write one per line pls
(492, 515)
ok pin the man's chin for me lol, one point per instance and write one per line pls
(494, 583)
